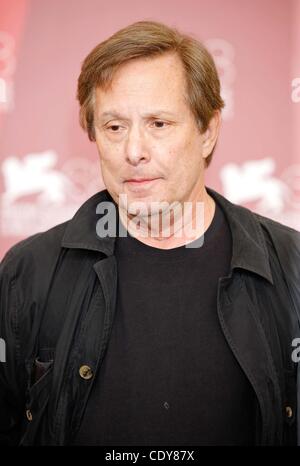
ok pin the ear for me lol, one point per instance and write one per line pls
(210, 136)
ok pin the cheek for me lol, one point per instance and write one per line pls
(179, 156)
(109, 156)
(184, 161)
(109, 168)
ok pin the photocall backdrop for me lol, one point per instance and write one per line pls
(48, 167)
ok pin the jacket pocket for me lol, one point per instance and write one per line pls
(37, 397)
(39, 370)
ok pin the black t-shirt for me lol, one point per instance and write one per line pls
(169, 376)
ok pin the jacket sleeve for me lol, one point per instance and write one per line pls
(11, 404)
(287, 244)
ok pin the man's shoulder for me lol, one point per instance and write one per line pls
(279, 237)
(36, 248)
(281, 244)
(247, 217)
(47, 244)
(279, 231)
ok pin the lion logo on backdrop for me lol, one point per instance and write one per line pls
(35, 174)
(253, 182)
(39, 194)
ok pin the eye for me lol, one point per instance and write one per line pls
(113, 128)
(159, 123)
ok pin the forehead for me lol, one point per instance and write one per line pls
(145, 80)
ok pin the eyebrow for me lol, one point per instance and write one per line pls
(118, 115)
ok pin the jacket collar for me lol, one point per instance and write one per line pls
(249, 249)
(81, 232)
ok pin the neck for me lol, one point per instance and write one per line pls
(183, 225)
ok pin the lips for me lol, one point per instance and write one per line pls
(140, 180)
(135, 184)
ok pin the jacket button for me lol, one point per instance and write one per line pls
(86, 372)
(29, 415)
(289, 411)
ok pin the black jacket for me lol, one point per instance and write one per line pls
(57, 302)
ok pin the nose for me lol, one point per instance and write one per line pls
(136, 151)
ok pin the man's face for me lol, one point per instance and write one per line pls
(145, 130)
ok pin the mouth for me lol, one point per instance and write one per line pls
(137, 184)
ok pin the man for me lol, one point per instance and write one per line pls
(128, 324)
